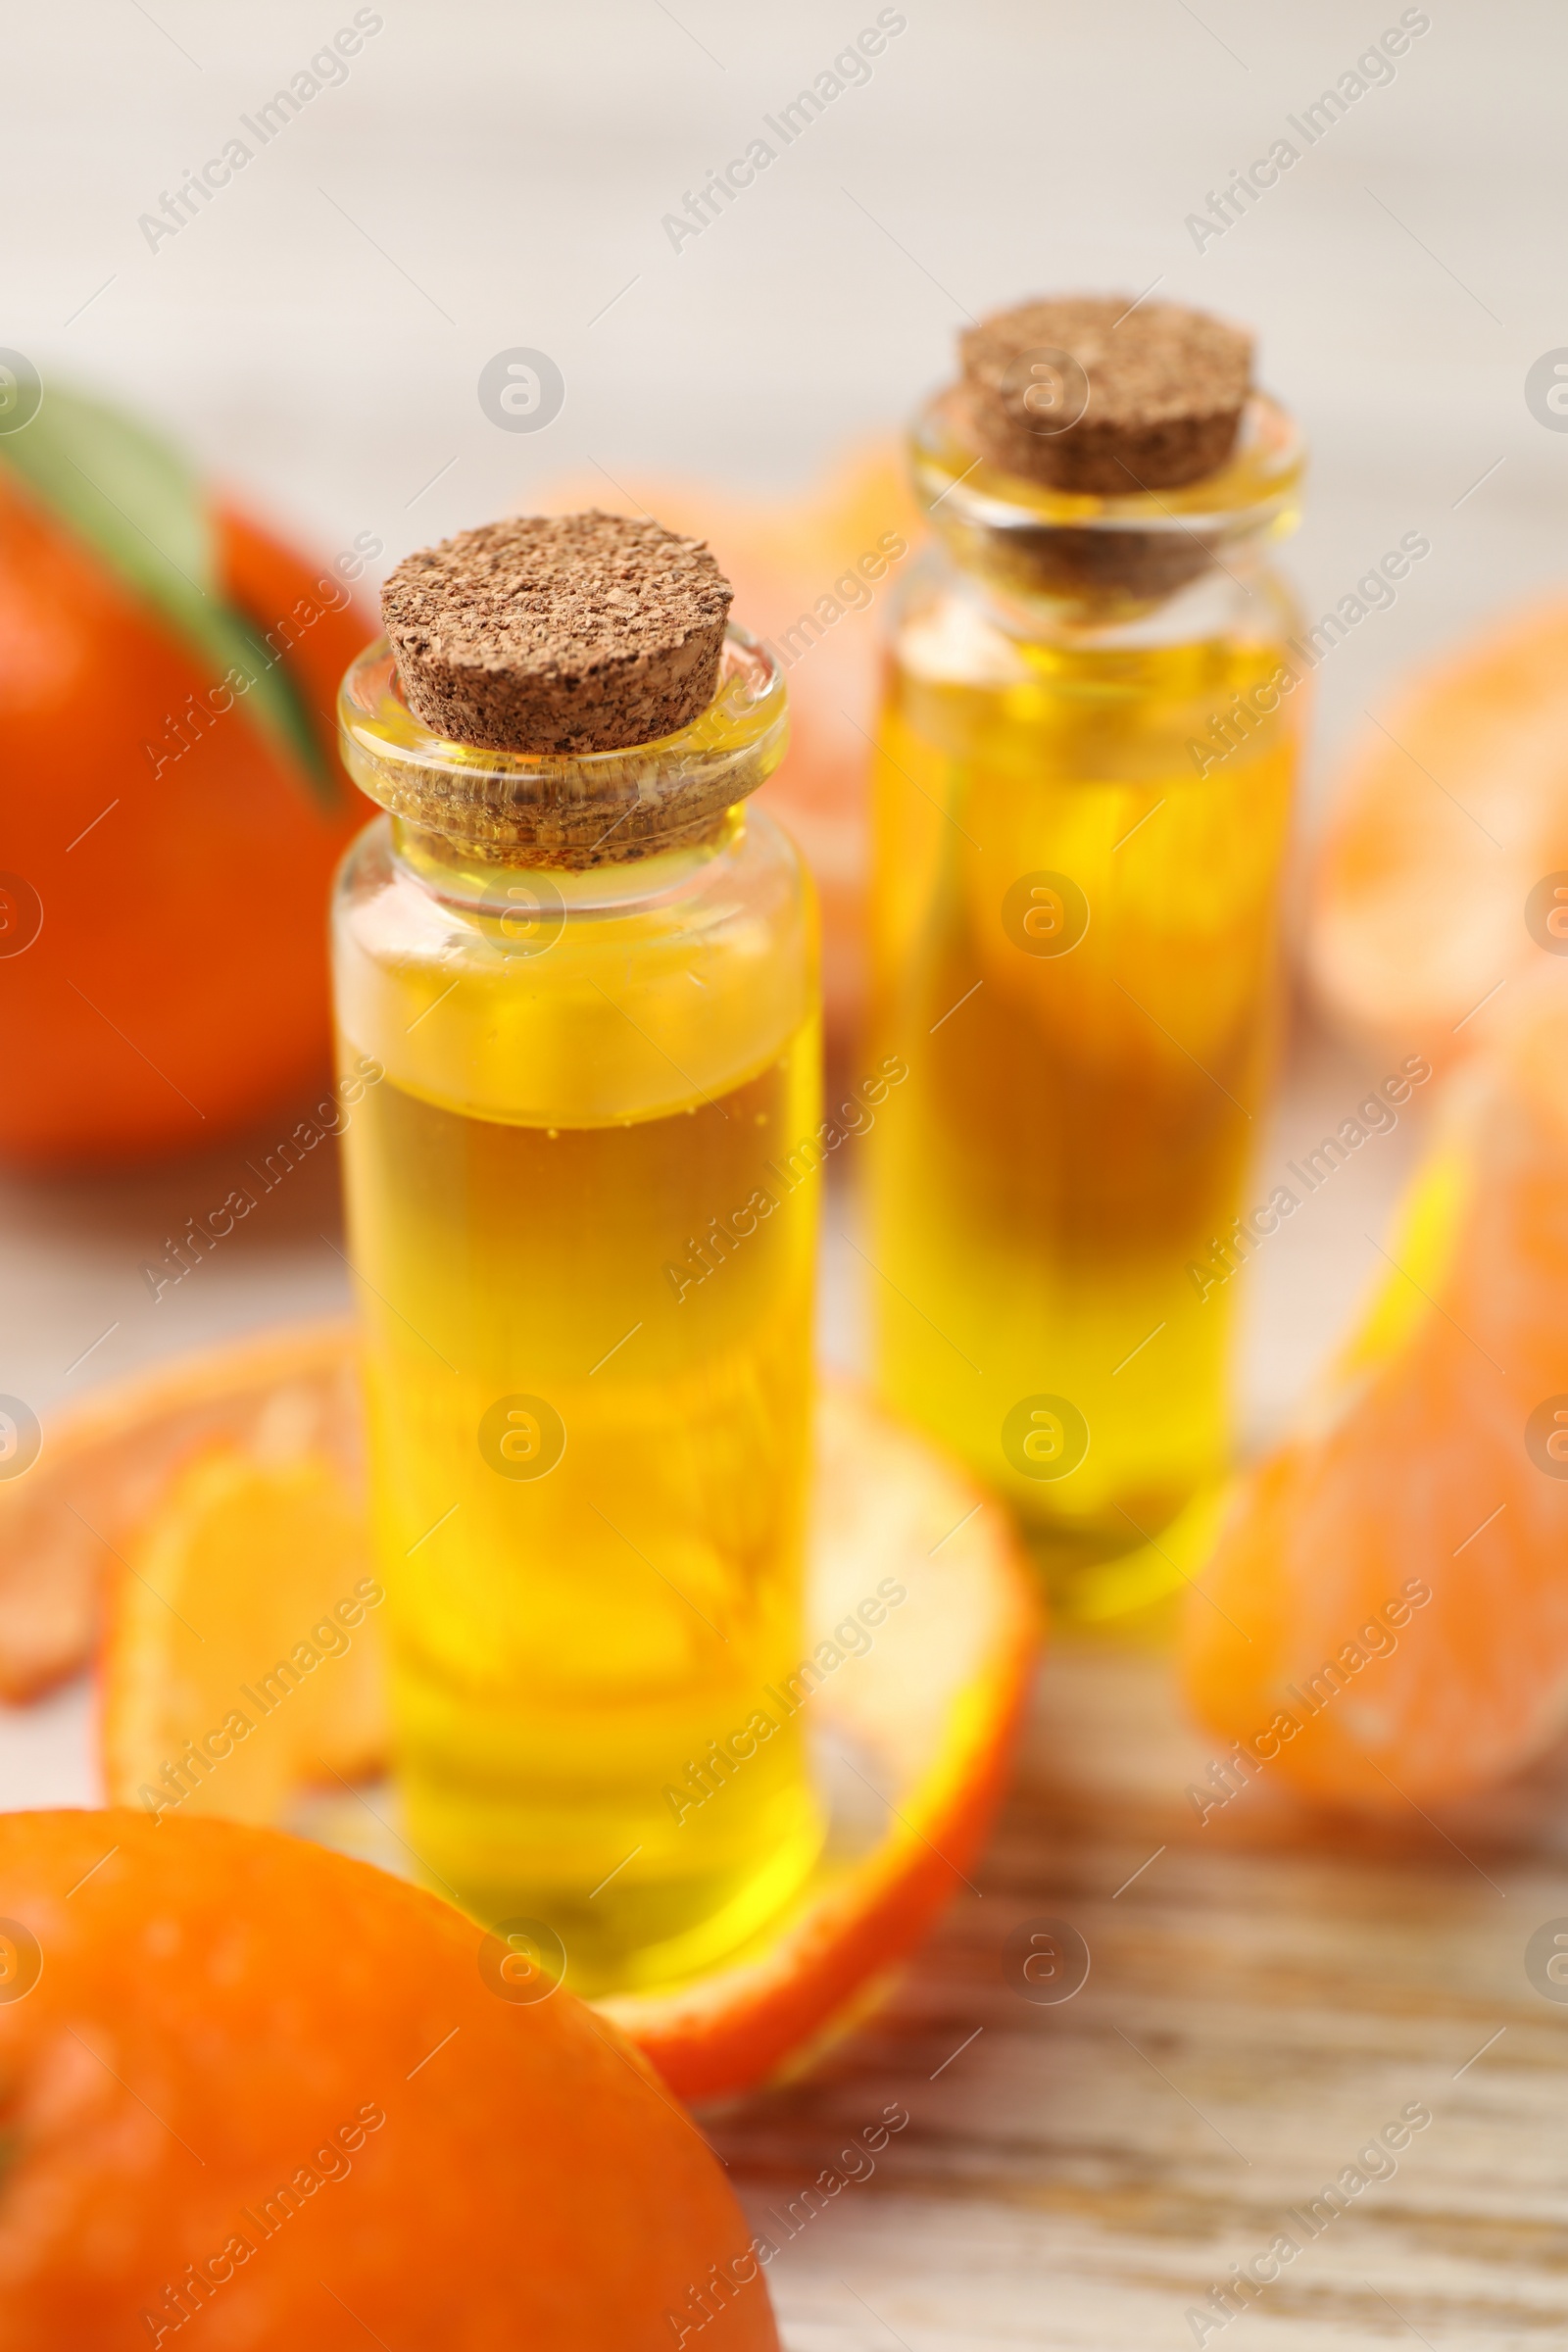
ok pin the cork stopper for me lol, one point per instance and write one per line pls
(1088, 394)
(567, 633)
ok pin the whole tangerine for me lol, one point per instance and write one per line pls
(251, 2083)
(163, 958)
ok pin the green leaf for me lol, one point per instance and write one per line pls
(140, 509)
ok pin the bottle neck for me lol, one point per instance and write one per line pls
(564, 815)
(495, 883)
(1239, 598)
(1055, 566)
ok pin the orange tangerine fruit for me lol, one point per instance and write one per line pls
(255, 2088)
(1450, 812)
(229, 1488)
(1385, 1621)
(156, 831)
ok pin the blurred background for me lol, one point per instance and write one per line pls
(481, 180)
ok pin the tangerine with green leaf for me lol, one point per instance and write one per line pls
(174, 806)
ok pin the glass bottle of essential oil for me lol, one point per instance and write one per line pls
(591, 979)
(1083, 795)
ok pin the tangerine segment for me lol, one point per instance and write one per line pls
(106, 1462)
(254, 2082)
(1446, 818)
(1386, 1618)
(254, 1539)
(243, 1640)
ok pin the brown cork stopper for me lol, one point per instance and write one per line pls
(1148, 398)
(565, 633)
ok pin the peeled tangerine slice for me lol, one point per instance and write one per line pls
(1386, 1618)
(1445, 861)
(250, 1547)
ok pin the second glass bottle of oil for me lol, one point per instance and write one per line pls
(1083, 782)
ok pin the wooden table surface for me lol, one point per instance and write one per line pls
(1266, 1993)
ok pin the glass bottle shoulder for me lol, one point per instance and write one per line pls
(548, 998)
(974, 673)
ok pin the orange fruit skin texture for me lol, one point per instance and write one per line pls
(1417, 1439)
(215, 2005)
(178, 986)
(1445, 817)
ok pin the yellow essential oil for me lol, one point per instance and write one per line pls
(587, 1304)
(1083, 798)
